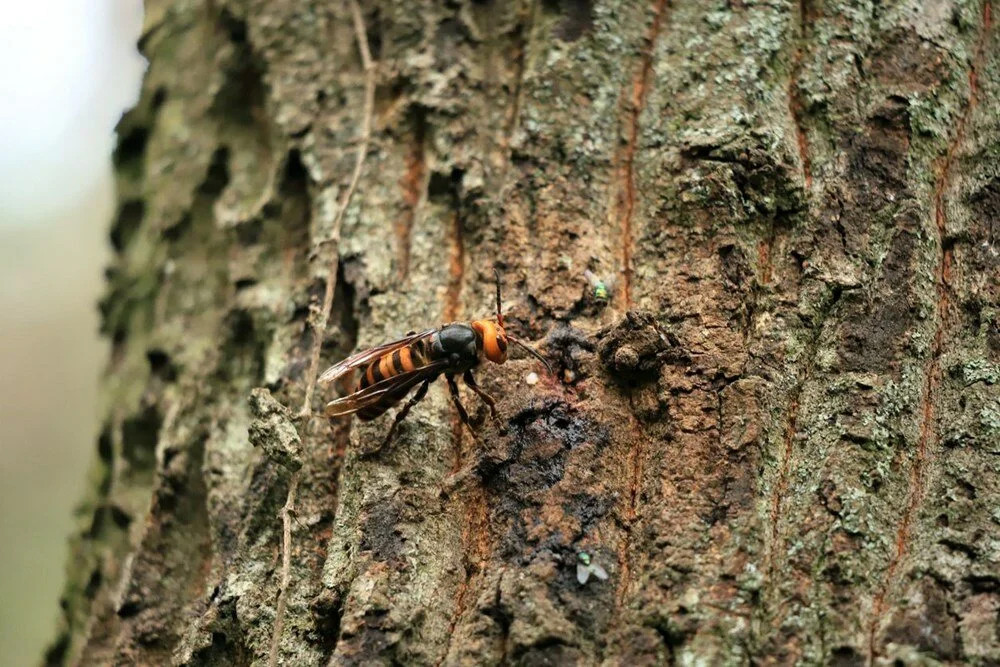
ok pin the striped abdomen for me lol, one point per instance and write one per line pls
(389, 365)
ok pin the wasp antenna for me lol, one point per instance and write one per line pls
(499, 314)
(532, 352)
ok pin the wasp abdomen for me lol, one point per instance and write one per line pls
(403, 360)
(389, 365)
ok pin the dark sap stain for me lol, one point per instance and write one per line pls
(877, 162)
(542, 437)
(874, 334)
(379, 533)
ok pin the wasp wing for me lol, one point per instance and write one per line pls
(390, 389)
(366, 356)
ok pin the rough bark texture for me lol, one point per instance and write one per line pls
(781, 437)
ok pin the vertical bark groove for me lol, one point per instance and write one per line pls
(795, 105)
(633, 489)
(414, 185)
(626, 195)
(780, 489)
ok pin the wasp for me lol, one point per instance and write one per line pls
(393, 370)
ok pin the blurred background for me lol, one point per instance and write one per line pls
(68, 69)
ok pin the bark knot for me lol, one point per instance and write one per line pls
(636, 347)
(272, 430)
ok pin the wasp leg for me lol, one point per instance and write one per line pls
(462, 414)
(470, 382)
(401, 415)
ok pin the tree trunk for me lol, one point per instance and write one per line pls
(780, 437)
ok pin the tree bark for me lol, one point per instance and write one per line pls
(780, 437)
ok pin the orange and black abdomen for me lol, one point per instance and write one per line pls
(389, 365)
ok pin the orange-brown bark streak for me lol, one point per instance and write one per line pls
(476, 551)
(765, 255)
(780, 488)
(933, 373)
(631, 514)
(764, 259)
(637, 102)
(625, 210)
(412, 184)
(456, 271)
(475, 531)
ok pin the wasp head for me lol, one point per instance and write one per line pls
(494, 340)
